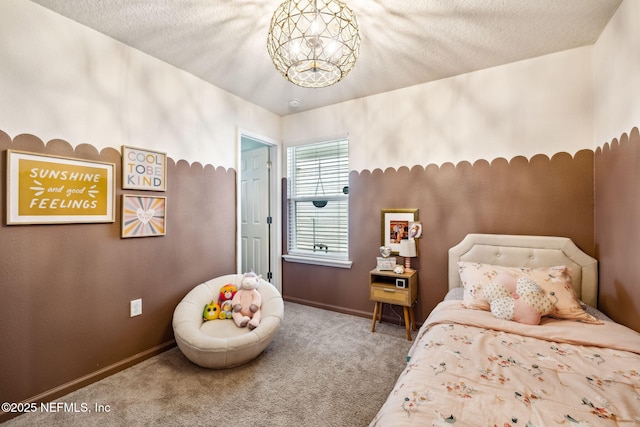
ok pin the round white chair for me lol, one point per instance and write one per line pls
(221, 343)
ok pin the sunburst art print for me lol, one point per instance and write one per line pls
(143, 216)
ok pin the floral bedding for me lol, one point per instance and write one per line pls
(469, 368)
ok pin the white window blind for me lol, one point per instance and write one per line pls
(318, 200)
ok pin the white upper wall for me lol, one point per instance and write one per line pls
(616, 64)
(542, 105)
(60, 79)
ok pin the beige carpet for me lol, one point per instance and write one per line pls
(323, 369)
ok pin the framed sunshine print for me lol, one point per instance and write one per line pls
(45, 189)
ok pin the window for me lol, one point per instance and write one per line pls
(318, 203)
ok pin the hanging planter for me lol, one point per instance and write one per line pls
(320, 203)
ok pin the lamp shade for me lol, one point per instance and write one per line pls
(408, 251)
(408, 248)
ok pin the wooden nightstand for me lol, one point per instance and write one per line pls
(392, 288)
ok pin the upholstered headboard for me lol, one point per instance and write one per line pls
(528, 251)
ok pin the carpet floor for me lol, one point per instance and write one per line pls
(322, 369)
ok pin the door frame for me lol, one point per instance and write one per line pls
(275, 249)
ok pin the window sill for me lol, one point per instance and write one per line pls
(327, 262)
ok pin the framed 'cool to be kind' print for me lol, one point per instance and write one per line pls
(143, 169)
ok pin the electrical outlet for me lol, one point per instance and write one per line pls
(136, 307)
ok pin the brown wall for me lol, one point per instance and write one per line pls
(617, 227)
(65, 289)
(539, 196)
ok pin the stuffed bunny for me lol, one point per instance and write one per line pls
(247, 301)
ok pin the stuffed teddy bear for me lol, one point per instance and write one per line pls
(247, 301)
(226, 295)
(211, 311)
(519, 299)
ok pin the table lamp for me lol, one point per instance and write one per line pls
(408, 251)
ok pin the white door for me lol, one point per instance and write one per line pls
(255, 212)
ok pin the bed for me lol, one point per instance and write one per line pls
(469, 366)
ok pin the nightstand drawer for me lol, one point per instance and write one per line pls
(390, 295)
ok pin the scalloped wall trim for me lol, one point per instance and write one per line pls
(482, 162)
(88, 151)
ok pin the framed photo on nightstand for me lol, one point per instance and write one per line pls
(395, 227)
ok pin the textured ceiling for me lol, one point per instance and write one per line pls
(404, 42)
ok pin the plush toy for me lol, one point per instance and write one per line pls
(211, 311)
(226, 295)
(519, 299)
(247, 301)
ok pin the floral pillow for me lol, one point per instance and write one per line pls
(555, 282)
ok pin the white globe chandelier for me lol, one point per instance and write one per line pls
(313, 43)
